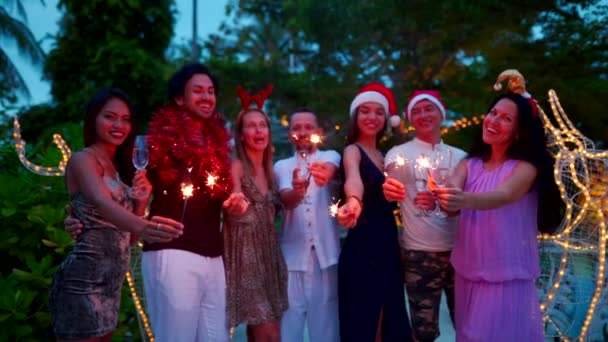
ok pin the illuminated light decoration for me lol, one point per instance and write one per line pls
(284, 120)
(20, 147)
(574, 258)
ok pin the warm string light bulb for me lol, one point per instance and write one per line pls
(20, 148)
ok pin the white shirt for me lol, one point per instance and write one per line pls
(309, 224)
(423, 233)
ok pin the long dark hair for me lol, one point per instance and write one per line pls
(353, 130)
(530, 146)
(122, 158)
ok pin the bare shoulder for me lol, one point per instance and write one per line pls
(352, 151)
(525, 167)
(83, 160)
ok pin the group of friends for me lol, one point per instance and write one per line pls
(214, 260)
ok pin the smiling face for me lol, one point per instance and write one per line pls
(500, 125)
(199, 97)
(371, 118)
(113, 123)
(255, 132)
(426, 118)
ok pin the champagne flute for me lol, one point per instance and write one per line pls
(420, 171)
(304, 173)
(140, 155)
(442, 164)
(398, 169)
(140, 152)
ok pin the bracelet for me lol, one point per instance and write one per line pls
(357, 198)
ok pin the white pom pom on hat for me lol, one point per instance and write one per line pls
(379, 93)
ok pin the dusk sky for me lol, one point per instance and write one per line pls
(43, 21)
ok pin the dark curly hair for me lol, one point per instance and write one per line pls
(177, 83)
(531, 146)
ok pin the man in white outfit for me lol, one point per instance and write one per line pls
(309, 236)
(426, 240)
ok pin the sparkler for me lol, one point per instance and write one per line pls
(333, 208)
(211, 180)
(187, 192)
(423, 162)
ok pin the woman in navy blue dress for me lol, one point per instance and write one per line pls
(370, 289)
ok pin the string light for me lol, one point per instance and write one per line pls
(573, 154)
(20, 147)
(140, 309)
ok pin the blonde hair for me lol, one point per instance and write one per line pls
(241, 154)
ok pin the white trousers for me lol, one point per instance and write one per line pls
(185, 296)
(313, 298)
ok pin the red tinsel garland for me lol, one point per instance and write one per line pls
(178, 142)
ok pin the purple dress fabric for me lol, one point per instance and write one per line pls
(496, 260)
(84, 298)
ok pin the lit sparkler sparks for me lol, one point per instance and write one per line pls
(315, 139)
(333, 208)
(423, 162)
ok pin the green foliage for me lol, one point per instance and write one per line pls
(33, 242)
(456, 46)
(14, 29)
(110, 43)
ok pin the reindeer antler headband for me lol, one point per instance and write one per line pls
(258, 98)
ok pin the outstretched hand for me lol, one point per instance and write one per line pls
(322, 172)
(348, 214)
(236, 204)
(451, 199)
(161, 229)
(394, 190)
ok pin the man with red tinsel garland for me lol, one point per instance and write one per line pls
(184, 280)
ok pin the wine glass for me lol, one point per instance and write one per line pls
(398, 169)
(304, 173)
(140, 152)
(303, 163)
(139, 156)
(420, 171)
(442, 164)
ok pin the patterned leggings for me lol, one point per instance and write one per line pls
(427, 275)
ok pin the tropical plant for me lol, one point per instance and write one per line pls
(13, 28)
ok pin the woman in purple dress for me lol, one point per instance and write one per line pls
(500, 190)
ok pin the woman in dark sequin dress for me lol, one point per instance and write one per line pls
(84, 297)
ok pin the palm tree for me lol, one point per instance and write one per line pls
(11, 28)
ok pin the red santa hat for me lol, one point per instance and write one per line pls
(419, 95)
(377, 92)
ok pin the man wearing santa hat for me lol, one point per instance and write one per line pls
(426, 239)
